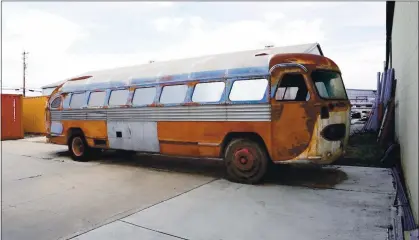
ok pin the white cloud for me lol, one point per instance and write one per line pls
(243, 35)
(272, 17)
(166, 24)
(44, 31)
(163, 4)
(196, 22)
(366, 15)
(359, 63)
(48, 35)
(45, 36)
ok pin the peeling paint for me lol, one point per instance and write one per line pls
(292, 131)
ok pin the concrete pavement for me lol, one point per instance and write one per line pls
(46, 196)
(357, 208)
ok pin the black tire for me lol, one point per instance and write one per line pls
(80, 155)
(245, 161)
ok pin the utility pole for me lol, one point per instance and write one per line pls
(24, 72)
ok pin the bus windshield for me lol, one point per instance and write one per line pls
(329, 84)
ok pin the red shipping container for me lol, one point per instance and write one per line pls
(11, 116)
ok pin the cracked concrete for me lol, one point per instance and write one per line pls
(166, 198)
(73, 197)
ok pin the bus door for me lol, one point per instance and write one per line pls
(293, 114)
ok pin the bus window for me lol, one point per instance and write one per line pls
(208, 92)
(173, 94)
(292, 88)
(118, 97)
(96, 99)
(56, 102)
(144, 96)
(322, 89)
(77, 100)
(248, 90)
(329, 84)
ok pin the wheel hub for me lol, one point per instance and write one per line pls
(77, 146)
(244, 159)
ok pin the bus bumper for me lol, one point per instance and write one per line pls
(61, 140)
(326, 158)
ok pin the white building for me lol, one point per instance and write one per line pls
(402, 55)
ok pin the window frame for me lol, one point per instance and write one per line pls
(110, 96)
(104, 99)
(208, 82)
(154, 99)
(67, 100)
(305, 82)
(230, 84)
(61, 102)
(343, 84)
(185, 98)
(71, 100)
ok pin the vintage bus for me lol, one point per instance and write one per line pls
(279, 105)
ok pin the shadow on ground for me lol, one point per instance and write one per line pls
(307, 176)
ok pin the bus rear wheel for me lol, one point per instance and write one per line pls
(245, 161)
(78, 148)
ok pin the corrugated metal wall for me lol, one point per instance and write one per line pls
(11, 117)
(34, 114)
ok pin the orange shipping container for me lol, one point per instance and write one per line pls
(34, 114)
(11, 117)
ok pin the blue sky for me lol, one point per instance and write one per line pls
(65, 39)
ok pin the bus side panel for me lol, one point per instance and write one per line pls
(293, 128)
(196, 138)
(92, 129)
(132, 135)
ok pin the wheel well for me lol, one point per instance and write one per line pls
(72, 132)
(246, 135)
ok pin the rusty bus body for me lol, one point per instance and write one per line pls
(310, 125)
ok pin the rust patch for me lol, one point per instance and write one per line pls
(290, 135)
(155, 105)
(80, 78)
(192, 83)
(298, 148)
(311, 113)
(191, 104)
(292, 122)
(277, 111)
(177, 142)
(166, 78)
(205, 132)
(310, 61)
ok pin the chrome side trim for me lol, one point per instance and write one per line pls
(208, 144)
(287, 65)
(250, 112)
(315, 157)
(296, 161)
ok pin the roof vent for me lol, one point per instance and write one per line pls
(261, 54)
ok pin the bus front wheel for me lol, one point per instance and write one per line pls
(245, 161)
(79, 149)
